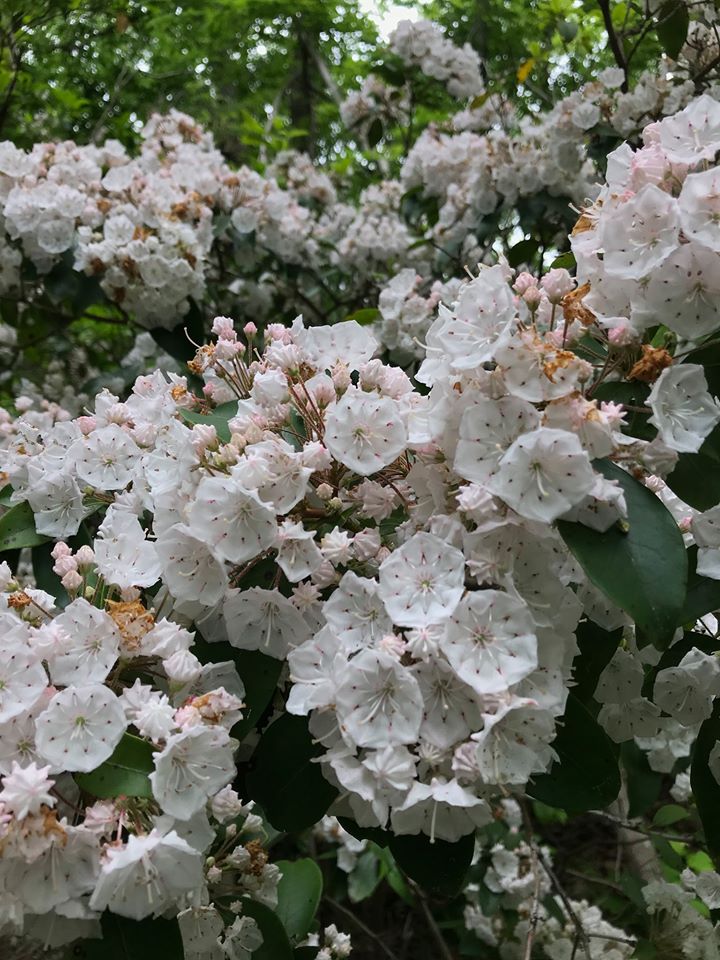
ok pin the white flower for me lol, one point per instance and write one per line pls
(686, 691)
(378, 702)
(242, 938)
(490, 641)
(638, 717)
(298, 554)
(263, 620)
(514, 743)
(191, 569)
(232, 520)
(106, 459)
(452, 710)
(26, 789)
(200, 929)
(91, 646)
(641, 234)
(365, 432)
(148, 875)
(80, 727)
(22, 682)
(683, 410)
(705, 528)
(543, 474)
(621, 680)
(693, 134)
(700, 210)
(422, 582)
(440, 809)
(487, 429)
(193, 766)
(122, 553)
(356, 613)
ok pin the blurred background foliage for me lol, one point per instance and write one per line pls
(265, 75)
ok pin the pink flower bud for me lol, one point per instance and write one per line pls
(223, 327)
(556, 283)
(86, 424)
(64, 565)
(532, 297)
(523, 281)
(85, 556)
(250, 330)
(61, 549)
(72, 581)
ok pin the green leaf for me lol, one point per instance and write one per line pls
(669, 814)
(125, 939)
(696, 477)
(586, 775)
(705, 787)
(365, 877)
(283, 778)
(17, 528)
(375, 132)
(439, 867)
(643, 783)
(178, 341)
(5, 494)
(522, 252)
(597, 647)
(45, 577)
(218, 418)
(275, 945)
(567, 29)
(299, 893)
(124, 774)
(259, 675)
(364, 316)
(672, 27)
(703, 594)
(565, 260)
(643, 569)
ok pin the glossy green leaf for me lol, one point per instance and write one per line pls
(364, 316)
(643, 783)
(218, 419)
(299, 893)
(275, 945)
(375, 132)
(565, 260)
(365, 877)
(178, 342)
(640, 565)
(597, 647)
(125, 773)
(440, 867)
(283, 778)
(669, 814)
(705, 788)
(17, 528)
(125, 939)
(586, 774)
(696, 477)
(673, 21)
(522, 252)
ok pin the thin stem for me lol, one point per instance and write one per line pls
(432, 925)
(614, 41)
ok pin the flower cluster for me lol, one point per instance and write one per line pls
(423, 44)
